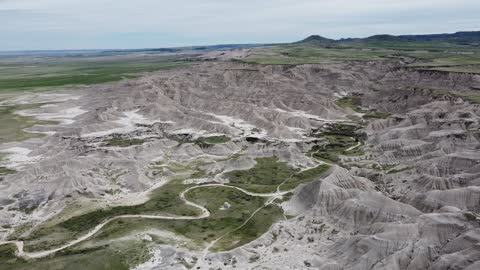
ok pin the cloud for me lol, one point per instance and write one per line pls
(153, 23)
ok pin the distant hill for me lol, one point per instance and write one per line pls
(316, 39)
(461, 38)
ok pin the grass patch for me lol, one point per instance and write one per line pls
(119, 141)
(209, 141)
(471, 97)
(164, 200)
(216, 139)
(338, 129)
(206, 230)
(335, 146)
(114, 256)
(352, 102)
(305, 177)
(12, 125)
(5, 171)
(267, 174)
(393, 171)
(338, 139)
(8, 259)
(256, 227)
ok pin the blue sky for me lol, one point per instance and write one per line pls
(102, 24)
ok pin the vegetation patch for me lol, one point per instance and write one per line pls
(471, 96)
(254, 140)
(393, 171)
(428, 55)
(119, 255)
(298, 54)
(267, 174)
(305, 177)
(339, 129)
(222, 220)
(8, 258)
(163, 201)
(376, 115)
(209, 141)
(335, 146)
(119, 141)
(12, 125)
(253, 229)
(57, 72)
(352, 102)
(5, 171)
(340, 139)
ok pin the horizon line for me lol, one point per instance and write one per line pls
(221, 44)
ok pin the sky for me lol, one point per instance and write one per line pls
(125, 24)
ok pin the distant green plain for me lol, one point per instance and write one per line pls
(430, 56)
(50, 72)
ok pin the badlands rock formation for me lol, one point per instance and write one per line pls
(412, 201)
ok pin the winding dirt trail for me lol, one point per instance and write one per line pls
(205, 214)
(354, 147)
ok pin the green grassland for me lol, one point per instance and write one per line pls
(269, 173)
(203, 231)
(256, 227)
(407, 46)
(307, 54)
(430, 56)
(305, 176)
(47, 72)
